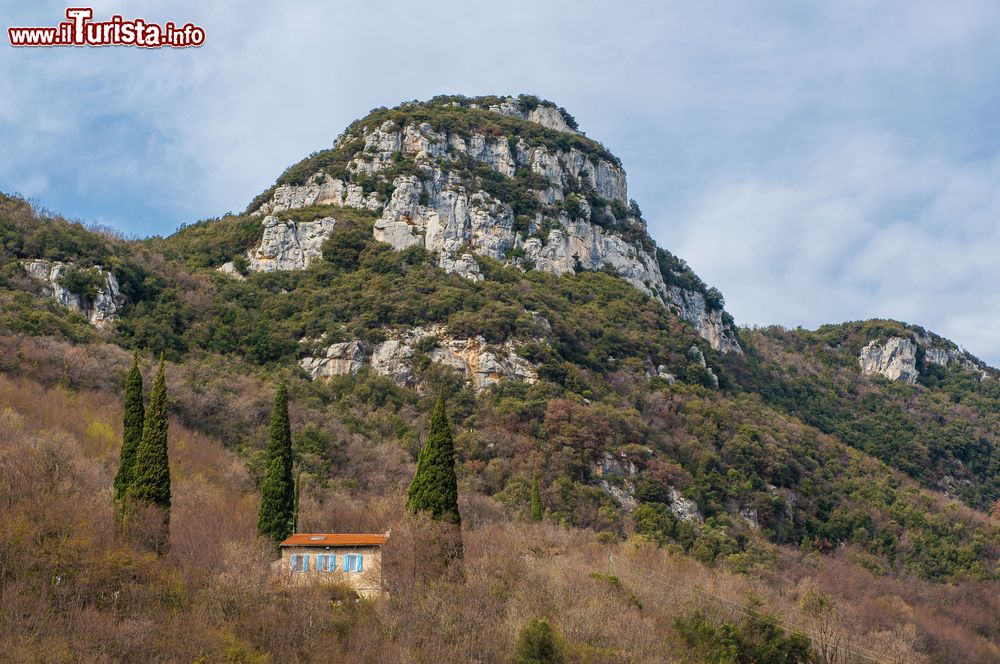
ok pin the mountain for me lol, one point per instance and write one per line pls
(486, 249)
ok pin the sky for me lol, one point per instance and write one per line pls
(816, 161)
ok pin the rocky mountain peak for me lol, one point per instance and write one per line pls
(510, 179)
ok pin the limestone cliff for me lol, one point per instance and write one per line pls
(900, 358)
(509, 179)
(100, 307)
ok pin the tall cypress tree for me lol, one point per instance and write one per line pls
(277, 500)
(148, 495)
(536, 500)
(134, 416)
(434, 488)
(151, 470)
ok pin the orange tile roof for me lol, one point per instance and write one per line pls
(335, 539)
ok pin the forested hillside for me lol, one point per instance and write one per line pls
(769, 466)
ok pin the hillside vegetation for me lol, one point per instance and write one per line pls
(800, 498)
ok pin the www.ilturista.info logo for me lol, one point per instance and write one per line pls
(80, 30)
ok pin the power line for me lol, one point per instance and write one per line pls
(847, 646)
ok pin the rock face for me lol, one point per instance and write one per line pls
(683, 508)
(319, 190)
(484, 364)
(287, 245)
(338, 360)
(615, 476)
(549, 117)
(692, 307)
(581, 218)
(695, 355)
(100, 310)
(896, 358)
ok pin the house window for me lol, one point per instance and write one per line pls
(299, 562)
(353, 563)
(326, 562)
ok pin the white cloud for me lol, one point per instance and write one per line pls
(862, 229)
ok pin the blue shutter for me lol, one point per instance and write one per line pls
(333, 562)
(360, 566)
(305, 562)
(292, 562)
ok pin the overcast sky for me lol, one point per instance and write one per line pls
(818, 162)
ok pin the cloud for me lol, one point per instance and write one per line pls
(862, 229)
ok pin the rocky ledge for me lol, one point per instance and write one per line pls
(483, 364)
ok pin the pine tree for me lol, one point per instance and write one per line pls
(536, 500)
(134, 416)
(434, 488)
(277, 501)
(150, 485)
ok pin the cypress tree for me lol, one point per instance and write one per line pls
(151, 470)
(536, 500)
(277, 501)
(434, 488)
(134, 416)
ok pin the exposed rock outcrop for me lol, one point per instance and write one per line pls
(895, 358)
(615, 477)
(683, 508)
(692, 307)
(549, 117)
(320, 189)
(695, 355)
(289, 245)
(100, 309)
(338, 360)
(484, 364)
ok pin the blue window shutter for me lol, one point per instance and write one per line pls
(360, 565)
(292, 561)
(305, 562)
(333, 562)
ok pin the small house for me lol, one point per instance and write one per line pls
(351, 559)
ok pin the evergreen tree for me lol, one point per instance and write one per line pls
(295, 506)
(150, 485)
(536, 500)
(434, 488)
(134, 416)
(151, 469)
(537, 644)
(277, 501)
